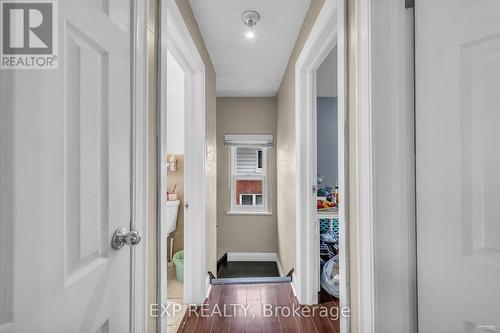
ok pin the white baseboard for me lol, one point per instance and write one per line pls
(294, 277)
(208, 286)
(251, 256)
(255, 256)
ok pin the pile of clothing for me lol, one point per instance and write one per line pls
(328, 247)
(329, 263)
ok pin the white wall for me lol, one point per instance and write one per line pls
(327, 76)
(175, 106)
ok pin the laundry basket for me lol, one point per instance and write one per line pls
(178, 260)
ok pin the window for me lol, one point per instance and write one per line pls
(249, 179)
(251, 199)
(259, 161)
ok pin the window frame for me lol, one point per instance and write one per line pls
(261, 160)
(260, 174)
(254, 198)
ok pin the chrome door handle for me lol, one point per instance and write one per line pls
(122, 237)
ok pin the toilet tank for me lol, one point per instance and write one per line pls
(172, 209)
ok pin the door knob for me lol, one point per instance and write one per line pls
(122, 237)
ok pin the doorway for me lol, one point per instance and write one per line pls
(175, 189)
(327, 178)
(327, 35)
(181, 165)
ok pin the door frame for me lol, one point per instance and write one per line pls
(328, 31)
(139, 303)
(384, 164)
(176, 37)
(381, 129)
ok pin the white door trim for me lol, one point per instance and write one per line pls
(328, 31)
(177, 38)
(139, 254)
(385, 164)
(364, 176)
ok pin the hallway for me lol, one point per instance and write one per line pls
(255, 303)
(249, 166)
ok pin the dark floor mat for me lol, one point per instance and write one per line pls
(239, 269)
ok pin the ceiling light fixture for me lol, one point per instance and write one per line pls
(250, 18)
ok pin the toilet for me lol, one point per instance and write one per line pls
(178, 258)
(172, 208)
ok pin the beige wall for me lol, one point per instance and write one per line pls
(244, 233)
(210, 135)
(286, 146)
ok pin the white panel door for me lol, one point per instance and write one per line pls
(70, 163)
(458, 165)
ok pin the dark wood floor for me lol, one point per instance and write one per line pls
(258, 297)
(325, 297)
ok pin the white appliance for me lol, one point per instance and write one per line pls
(172, 210)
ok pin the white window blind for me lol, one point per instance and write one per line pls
(246, 160)
(244, 140)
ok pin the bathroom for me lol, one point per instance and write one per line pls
(175, 191)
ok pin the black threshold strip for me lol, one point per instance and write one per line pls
(251, 280)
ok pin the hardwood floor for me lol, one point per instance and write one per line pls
(253, 305)
(325, 297)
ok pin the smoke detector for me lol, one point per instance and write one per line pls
(250, 18)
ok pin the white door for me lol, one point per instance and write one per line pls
(70, 180)
(458, 165)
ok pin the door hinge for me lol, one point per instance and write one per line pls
(409, 4)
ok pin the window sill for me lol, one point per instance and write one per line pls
(246, 212)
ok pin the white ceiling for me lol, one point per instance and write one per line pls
(249, 67)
